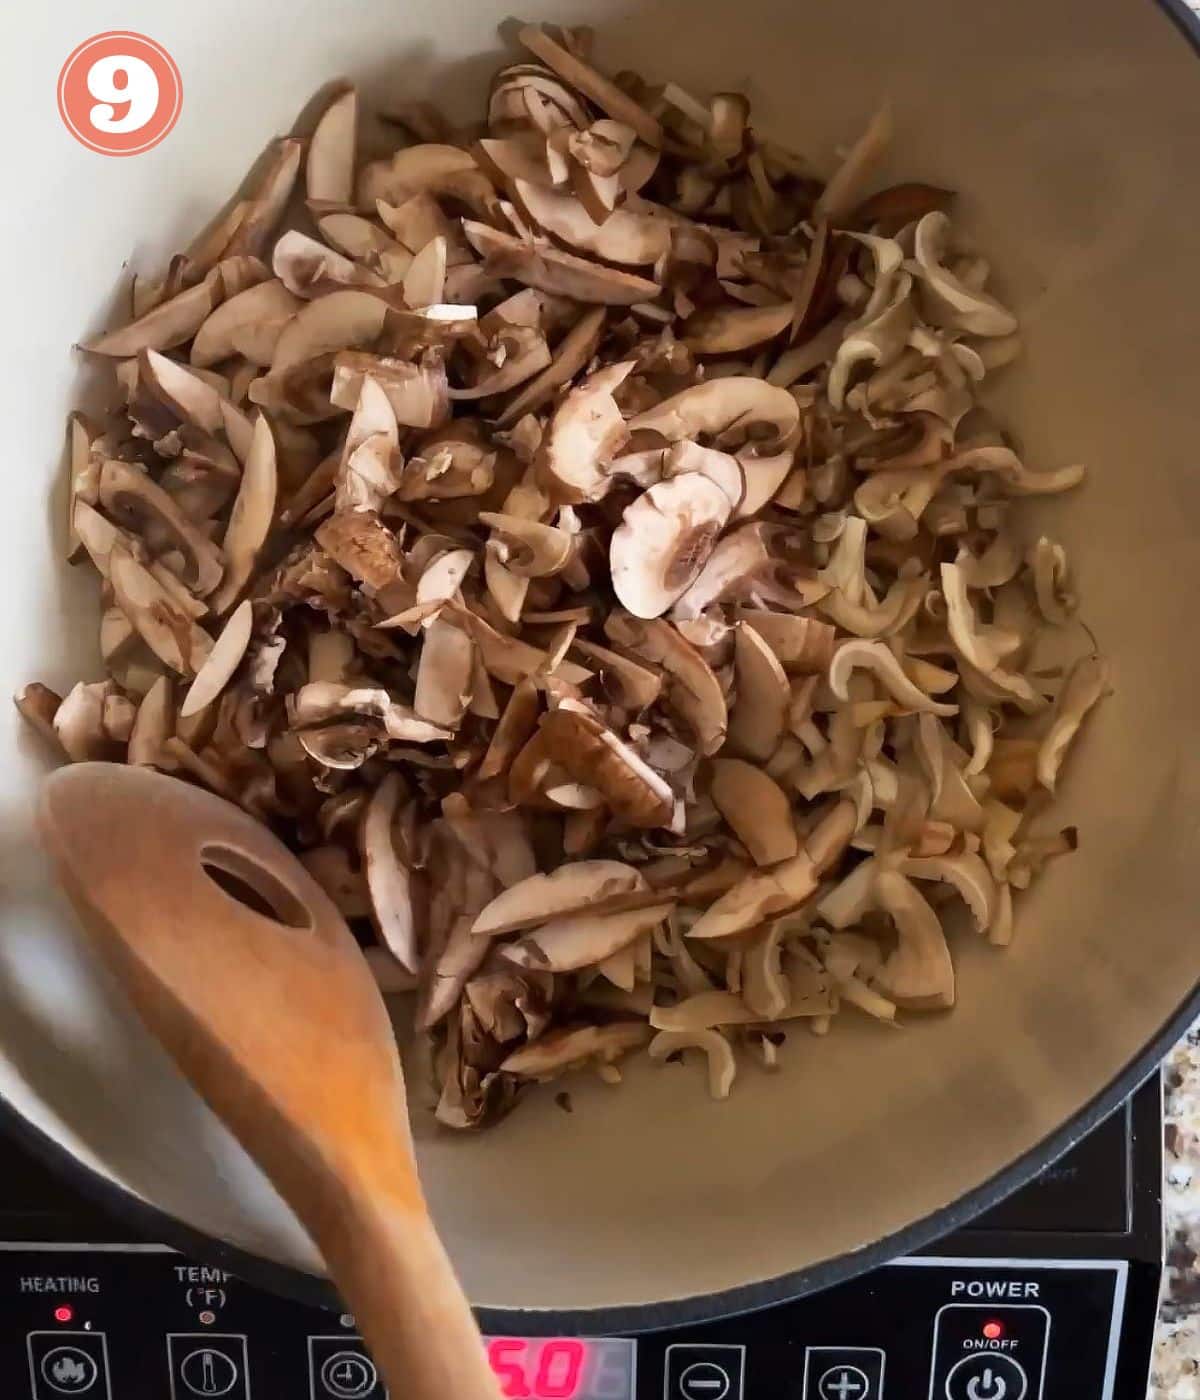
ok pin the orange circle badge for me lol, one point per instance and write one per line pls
(120, 93)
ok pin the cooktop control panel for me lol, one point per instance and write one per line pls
(130, 1323)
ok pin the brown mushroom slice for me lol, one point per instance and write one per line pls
(845, 904)
(918, 973)
(603, 92)
(585, 433)
(135, 497)
(389, 881)
(719, 406)
(692, 691)
(531, 548)
(153, 725)
(168, 324)
(550, 270)
(344, 747)
(268, 303)
(221, 662)
(759, 714)
(573, 941)
(663, 541)
(569, 1046)
(308, 268)
(511, 660)
(425, 281)
(430, 168)
(329, 174)
(343, 320)
(625, 237)
(570, 356)
(1084, 687)
(527, 354)
(79, 722)
(166, 628)
(322, 700)
(968, 874)
(444, 674)
(875, 657)
(755, 808)
(251, 517)
(764, 477)
(188, 396)
(722, 1067)
(845, 188)
(591, 753)
(627, 684)
(728, 329)
(37, 705)
(802, 645)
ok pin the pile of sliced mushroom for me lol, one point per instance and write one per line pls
(578, 535)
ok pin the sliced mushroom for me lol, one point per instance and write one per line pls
(170, 323)
(250, 520)
(166, 628)
(592, 754)
(319, 701)
(876, 658)
(626, 237)
(968, 874)
(153, 725)
(627, 684)
(1084, 687)
(802, 645)
(663, 541)
(342, 320)
(573, 352)
(221, 662)
(692, 691)
(266, 303)
(569, 1046)
(531, 549)
(605, 94)
(586, 432)
(732, 328)
(444, 674)
(759, 714)
(722, 1067)
(573, 941)
(737, 404)
(549, 270)
(389, 881)
(329, 175)
(756, 809)
(134, 497)
(919, 972)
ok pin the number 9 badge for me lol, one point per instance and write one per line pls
(119, 93)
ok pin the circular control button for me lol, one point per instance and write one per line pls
(69, 1371)
(704, 1380)
(987, 1375)
(349, 1375)
(207, 1371)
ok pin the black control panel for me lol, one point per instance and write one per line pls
(117, 1325)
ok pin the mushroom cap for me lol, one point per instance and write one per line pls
(585, 433)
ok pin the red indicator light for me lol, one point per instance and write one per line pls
(64, 1313)
(993, 1331)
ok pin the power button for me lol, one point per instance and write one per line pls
(984, 1377)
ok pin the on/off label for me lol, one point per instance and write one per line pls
(119, 93)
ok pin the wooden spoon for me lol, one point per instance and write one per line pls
(278, 1024)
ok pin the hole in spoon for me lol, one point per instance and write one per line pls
(242, 879)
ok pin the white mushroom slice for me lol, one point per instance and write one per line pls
(722, 1067)
(627, 684)
(844, 905)
(153, 726)
(968, 874)
(731, 328)
(78, 722)
(418, 394)
(572, 887)
(250, 520)
(444, 674)
(766, 892)
(562, 1049)
(947, 300)
(222, 661)
(721, 468)
(586, 432)
(340, 321)
(323, 700)
(1084, 686)
(625, 237)
(765, 988)
(425, 281)
(307, 268)
(876, 658)
(430, 167)
(569, 942)
(166, 628)
(570, 356)
(329, 175)
(592, 754)
(702, 1011)
(663, 541)
(511, 660)
(719, 406)
(759, 714)
(756, 809)
(440, 581)
(531, 549)
(693, 690)
(170, 323)
(267, 303)
(1051, 582)
(506, 256)
(802, 645)
(507, 590)
(526, 354)
(267, 196)
(919, 973)
(388, 879)
(182, 391)
(344, 746)
(764, 477)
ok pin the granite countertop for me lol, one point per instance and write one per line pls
(1176, 1370)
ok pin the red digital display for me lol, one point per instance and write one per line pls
(563, 1368)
